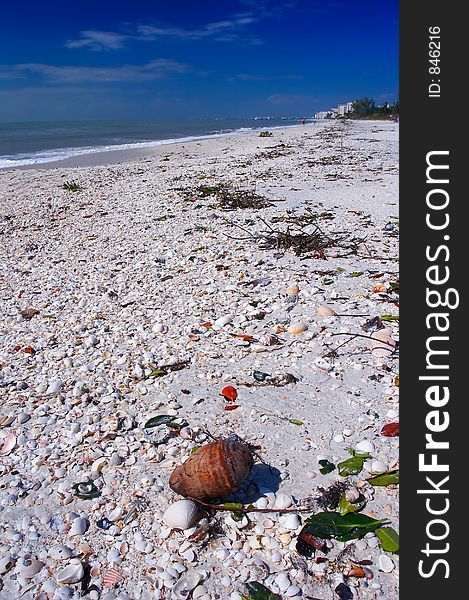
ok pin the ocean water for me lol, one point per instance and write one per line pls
(42, 142)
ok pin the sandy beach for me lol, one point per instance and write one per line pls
(269, 264)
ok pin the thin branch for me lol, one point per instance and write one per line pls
(249, 508)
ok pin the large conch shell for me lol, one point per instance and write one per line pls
(214, 470)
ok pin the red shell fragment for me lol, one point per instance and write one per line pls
(390, 430)
(229, 393)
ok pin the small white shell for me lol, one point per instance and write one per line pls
(378, 466)
(159, 328)
(183, 514)
(365, 446)
(73, 573)
(116, 513)
(283, 501)
(291, 522)
(222, 321)
(385, 563)
(54, 386)
(282, 581)
(79, 526)
(60, 552)
(297, 328)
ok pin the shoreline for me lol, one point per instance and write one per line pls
(110, 155)
(150, 289)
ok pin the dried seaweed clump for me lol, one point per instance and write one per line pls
(227, 197)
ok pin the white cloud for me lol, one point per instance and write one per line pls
(155, 69)
(227, 30)
(98, 40)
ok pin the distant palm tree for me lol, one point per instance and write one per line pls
(363, 107)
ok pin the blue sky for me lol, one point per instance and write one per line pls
(149, 59)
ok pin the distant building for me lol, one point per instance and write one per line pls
(344, 109)
(340, 111)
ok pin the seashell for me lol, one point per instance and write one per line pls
(325, 311)
(8, 444)
(29, 568)
(378, 466)
(186, 584)
(85, 490)
(72, 573)
(283, 501)
(60, 552)
(292, 290)
(79, 526)
(29, 313)
(355, 571)
(229, 393)
(221, 322)
(116, 513)
(382, 342)
(365, 446)
(385, 563)
(54, 387)
(214, 470)
(99, 465)
(297, 328)
(111, 423)
(270, 340)
(6, 420)
(279, 328)
(159, 328)
(183, 514)
(291, 522)
(6, 563)
(111, 576)
(104, 523)
(282, 581)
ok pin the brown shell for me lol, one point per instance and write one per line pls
(213, 471)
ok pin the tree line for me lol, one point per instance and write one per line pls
(366, 108)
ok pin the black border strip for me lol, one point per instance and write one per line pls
(432, 270)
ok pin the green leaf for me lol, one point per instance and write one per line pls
(328, 281)
(388, 478)
(157, 373)
(389, 539)
(345, 507)
(352, 466)
(355, 274)
(257, 591)
(389, 318)
(347, 527)
(233, 505)
(295, 421)
(158, 420)
(236, 515)
(326, 467)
